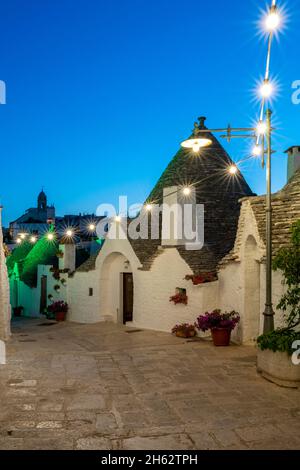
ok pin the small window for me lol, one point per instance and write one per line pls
(180, 290)
(91, 291)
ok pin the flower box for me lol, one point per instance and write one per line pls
(277, 367)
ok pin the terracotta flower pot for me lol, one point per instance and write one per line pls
(182, 334)
(221, 336)
(60, 316)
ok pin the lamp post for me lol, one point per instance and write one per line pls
(248, 132)
(262, 133)
(269, 312)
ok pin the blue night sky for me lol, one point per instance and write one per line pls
(100, 93)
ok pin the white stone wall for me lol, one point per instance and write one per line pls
(5, 309)
(84, 308)
(68, 260)
(153, 289)
(231, 295)
(243, 280)
(30, 298)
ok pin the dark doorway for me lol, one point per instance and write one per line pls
(127, 297)
(43, 302)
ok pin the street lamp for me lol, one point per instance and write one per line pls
(273, 19)
(262, 133)
(197, 140)
(263, 128)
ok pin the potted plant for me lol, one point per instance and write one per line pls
(18, 311)
(276, 349)
(203, 278)
(220, 324)
(180, 297)
(184, 330)
(58, 309)
(275, 357)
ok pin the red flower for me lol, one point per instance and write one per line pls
(179, 299)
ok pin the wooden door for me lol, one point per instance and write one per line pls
(43, 301)
(127, 297)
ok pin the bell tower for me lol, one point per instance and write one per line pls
(42, 201)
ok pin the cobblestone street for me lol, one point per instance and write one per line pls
(103, 386)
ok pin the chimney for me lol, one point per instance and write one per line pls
(173, 214)
(68, 260)
(293, 160)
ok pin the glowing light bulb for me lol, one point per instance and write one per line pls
(196, 146)
(92, 227)
(266, 89)
(261, 128)
(117, 218)
(257, 150)
(19, 241)
(23, 236)
(273, 20)
(233, 169)
(186, 191)
(50, 236)
(69, 233)
(33, 239)
(148, 207)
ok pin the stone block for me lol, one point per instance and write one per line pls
(93, 443)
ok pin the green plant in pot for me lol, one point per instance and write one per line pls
(220, 324)
(276, 348)
(59, 310)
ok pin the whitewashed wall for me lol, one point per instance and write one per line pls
(5, 310)
(243, 283)
(29, 297)
(84, 308)
(153, 289)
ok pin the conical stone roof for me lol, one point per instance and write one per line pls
(216, 189)
(285, 212)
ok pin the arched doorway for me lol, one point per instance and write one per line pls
(117, 288)
(251, 290)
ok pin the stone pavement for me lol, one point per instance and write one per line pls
(69, 386)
